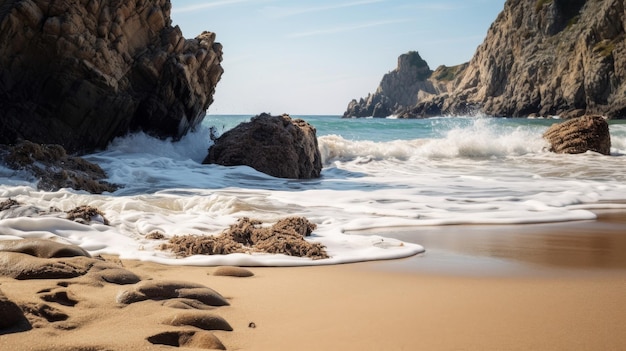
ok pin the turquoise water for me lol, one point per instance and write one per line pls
(387, 129)
(378, 175)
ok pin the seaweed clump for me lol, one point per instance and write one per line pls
(8, 204)
(248, 236)
(155, 235)
(85, 214)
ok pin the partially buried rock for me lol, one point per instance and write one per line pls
(231, 271)
(161, 290)
(42, 248)
(22, 266)
(188, 339)
(47, 259)
(55, 169)
(579, 135)
(10, 313)
(202, 320)
(276, 145)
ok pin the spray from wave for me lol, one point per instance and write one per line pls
(482, 138)
(193, 146)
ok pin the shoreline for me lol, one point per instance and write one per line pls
(459, 295)
(544, 249)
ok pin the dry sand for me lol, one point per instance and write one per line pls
(471, 303)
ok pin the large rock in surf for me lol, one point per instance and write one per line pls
(80, 72)
(276, 145)
(579, 135)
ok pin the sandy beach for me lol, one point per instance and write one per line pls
(538, 287)
(315, 175)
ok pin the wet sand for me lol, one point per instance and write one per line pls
(572, 248)
(531, 287)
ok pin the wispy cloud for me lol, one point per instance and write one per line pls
(281, 12)
(335, 30)
(458, 39)
(205, 5)
(433, 6)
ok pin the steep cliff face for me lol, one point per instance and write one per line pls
(544, 57)
(404, 87)
(80, 72)
(550, 58)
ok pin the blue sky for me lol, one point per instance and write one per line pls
(313, 57)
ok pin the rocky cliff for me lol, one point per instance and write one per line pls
(543, 57)
(80, 72)
(402, 88)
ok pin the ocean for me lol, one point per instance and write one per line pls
(379, 174)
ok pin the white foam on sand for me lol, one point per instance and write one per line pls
(467, 176)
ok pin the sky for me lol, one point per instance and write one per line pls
(313, 57)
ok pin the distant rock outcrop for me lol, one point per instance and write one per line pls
(579, 135)
(80, 72)
(402, 88)
(276, 145)
(542, 57)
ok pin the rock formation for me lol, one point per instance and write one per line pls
(54, 169)
(26, 259)
(276, 145)
(579, 135)
(402, 88)
(543, 57)
(80, 72)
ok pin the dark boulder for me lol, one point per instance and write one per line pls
(276, 145)
(80, 73)
(579, 135)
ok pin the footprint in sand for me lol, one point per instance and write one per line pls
(192, 300)
(59, 295)
(39, 314)
(162, 290)
(185, 310)
(188, 339)
(203, 339)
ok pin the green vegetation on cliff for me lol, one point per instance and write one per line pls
(540, 4)
(416, 60)
(445, 73)
(604, 48)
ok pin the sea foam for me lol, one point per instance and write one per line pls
(439, 172)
